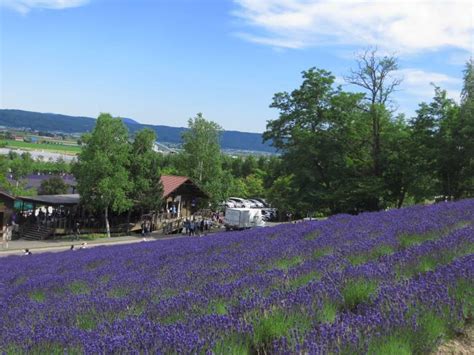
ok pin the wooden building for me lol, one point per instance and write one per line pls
(181, 198)
(181, 195)
(7, 203)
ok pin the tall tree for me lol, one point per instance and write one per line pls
(374, 74)
(318, 134)
(147, 191)
(102, 168)
(202, 155)
(466, 121)
(440, 145)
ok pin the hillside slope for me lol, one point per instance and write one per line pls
(77, 124)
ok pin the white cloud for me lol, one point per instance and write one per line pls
(24, 6)
(407, 26)
(418, 83)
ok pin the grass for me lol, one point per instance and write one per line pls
(408, 240)
(86, 321)
(277, 324)
(217, 307)
(328, 313)
(319, 253)
(304, 279)
(233, 345)
(50, 349)
(38, 296)
(391, 345)
(373, 255)
(119, 292)
(358, 291)
(41, 146)
(79, 288)
(463, 293)
(285, 264)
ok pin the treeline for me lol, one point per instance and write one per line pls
(348, 152)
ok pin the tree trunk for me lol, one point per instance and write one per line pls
(401, 197)
(107, 225)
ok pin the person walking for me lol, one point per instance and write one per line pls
(6, 235)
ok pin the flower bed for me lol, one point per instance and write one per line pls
(387, 282)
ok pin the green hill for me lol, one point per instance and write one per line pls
(77, 124)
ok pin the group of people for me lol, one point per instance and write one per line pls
(192, 227)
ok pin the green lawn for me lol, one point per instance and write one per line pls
(41, 146)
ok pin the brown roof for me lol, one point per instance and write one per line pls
(172, 182)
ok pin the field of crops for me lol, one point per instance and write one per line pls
(61, 148)
(396, 282)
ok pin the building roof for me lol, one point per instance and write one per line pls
(172, 182)
(52, 200)
(6, 194)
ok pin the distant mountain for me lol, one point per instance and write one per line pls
(50, 122)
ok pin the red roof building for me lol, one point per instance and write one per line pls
(181, 195)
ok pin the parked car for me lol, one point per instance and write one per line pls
(256, 203)
(263, 202)
(240, 202)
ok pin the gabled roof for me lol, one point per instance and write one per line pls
(6, 194)
(172, 182)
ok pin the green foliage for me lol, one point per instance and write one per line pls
(79, 288)
(86, 321)
(233, 345)
(358, 291)
(38, 296)
(327, 314)
(288, 263)
(276, 324)
(409, 240)
(304, 279)
(147, 190)
(102, 168)
(319, 253)
(358, 259)
(55, 185)
(217, 307)
(390, 345)
(202, 155)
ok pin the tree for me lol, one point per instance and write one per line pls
(53, 186)
(202, 155)
(319, 134)
(441, 145)
(147, 192)
(467, 129)
(102, 168)
(374, 75)
(20, 167)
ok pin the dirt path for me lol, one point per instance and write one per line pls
(463, 344)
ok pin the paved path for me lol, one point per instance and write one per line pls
(16, 247)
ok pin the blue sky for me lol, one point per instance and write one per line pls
(162, 61)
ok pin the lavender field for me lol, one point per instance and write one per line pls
(396, 282)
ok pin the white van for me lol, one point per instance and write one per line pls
(242, 218)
